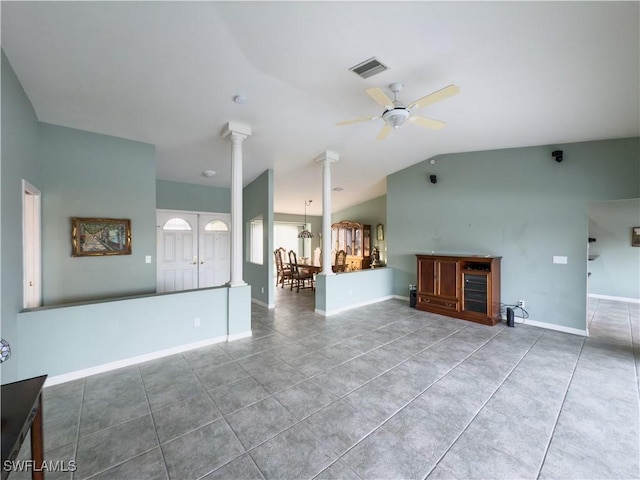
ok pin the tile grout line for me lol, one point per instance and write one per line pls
(564, 399)
(222, 417)
(122, 423)
(77, 443)
(340, 456)
(153, 421)
(300, 421)
(483, 406)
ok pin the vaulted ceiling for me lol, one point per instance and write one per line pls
(166, 73)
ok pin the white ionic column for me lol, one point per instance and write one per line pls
(327, 159)
(238, 133)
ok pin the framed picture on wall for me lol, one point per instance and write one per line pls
(635, 237)
(100, 236)
(379, 232)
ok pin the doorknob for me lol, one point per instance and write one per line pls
(30, 283)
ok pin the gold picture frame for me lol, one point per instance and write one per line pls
(379, 232)
(635, 236)
(96, 237)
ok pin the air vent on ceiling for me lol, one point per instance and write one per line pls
(368, 68)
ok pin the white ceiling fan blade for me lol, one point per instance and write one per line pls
(426, 122)
(384, 132)
(357, 120)
(441, 94)
(380, 97)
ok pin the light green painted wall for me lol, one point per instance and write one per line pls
(19, 160)
(257, 201)
(93, 334)
(91, 175)
(516, 203)
(371, 212)
(343, 291)
(616, 271)
(193, 198)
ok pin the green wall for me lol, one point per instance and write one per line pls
(19, 160)
(193, 198)
(516, 203)
(257, 200)
(91, 175)
(85, 174)
(616, 270)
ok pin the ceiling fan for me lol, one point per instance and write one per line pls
(396, 113)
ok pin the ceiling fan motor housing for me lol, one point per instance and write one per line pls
(395, 117)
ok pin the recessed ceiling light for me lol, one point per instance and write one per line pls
(208, 173)
(338, 189)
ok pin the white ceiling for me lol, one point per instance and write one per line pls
(166, 73)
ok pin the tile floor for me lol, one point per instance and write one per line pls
(381, 392)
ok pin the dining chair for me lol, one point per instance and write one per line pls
(340, 263)
(299, 275)
(284, 272)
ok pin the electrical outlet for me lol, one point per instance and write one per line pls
(262, 290)
(521, 303)
(196, 322)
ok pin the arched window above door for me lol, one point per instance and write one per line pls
(216, 226)
(176, 224)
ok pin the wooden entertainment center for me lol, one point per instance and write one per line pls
(460, 286)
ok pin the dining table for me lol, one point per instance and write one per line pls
(308, 267)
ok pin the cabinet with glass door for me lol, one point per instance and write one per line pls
(355, 239)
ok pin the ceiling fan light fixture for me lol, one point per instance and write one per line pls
(395, 117)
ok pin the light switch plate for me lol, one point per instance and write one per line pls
(147, 259)
(559, 259)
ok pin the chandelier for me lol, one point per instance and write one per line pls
(305, 233)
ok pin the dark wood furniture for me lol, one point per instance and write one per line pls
(340, 262)
(21, 411)
(460, 286)
(284, 272)
(299, 274)
(355, 239)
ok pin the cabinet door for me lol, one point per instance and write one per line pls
(447, 278)
(427, 276)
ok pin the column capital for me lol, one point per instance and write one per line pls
(236, 129)
(328, 157)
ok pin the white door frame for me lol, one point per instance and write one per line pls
(31, 246)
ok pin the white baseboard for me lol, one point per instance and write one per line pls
(615, 299)
(351, 307)
(400, 297)
(551, 326)
(106, 367)
(238, 336)
(270, 306)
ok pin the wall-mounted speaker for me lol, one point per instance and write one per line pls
(433, 179)
(557, 155)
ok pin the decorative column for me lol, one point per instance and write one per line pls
(327, 159)
(238, 132)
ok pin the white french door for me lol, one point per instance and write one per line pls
(193, 250)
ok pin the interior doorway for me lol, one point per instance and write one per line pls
(193, 250)
(31, 246)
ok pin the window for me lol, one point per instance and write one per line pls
(216, 226)
(176, 224)
(255, 241)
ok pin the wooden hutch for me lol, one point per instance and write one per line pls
(461, 286)
(355, 239)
